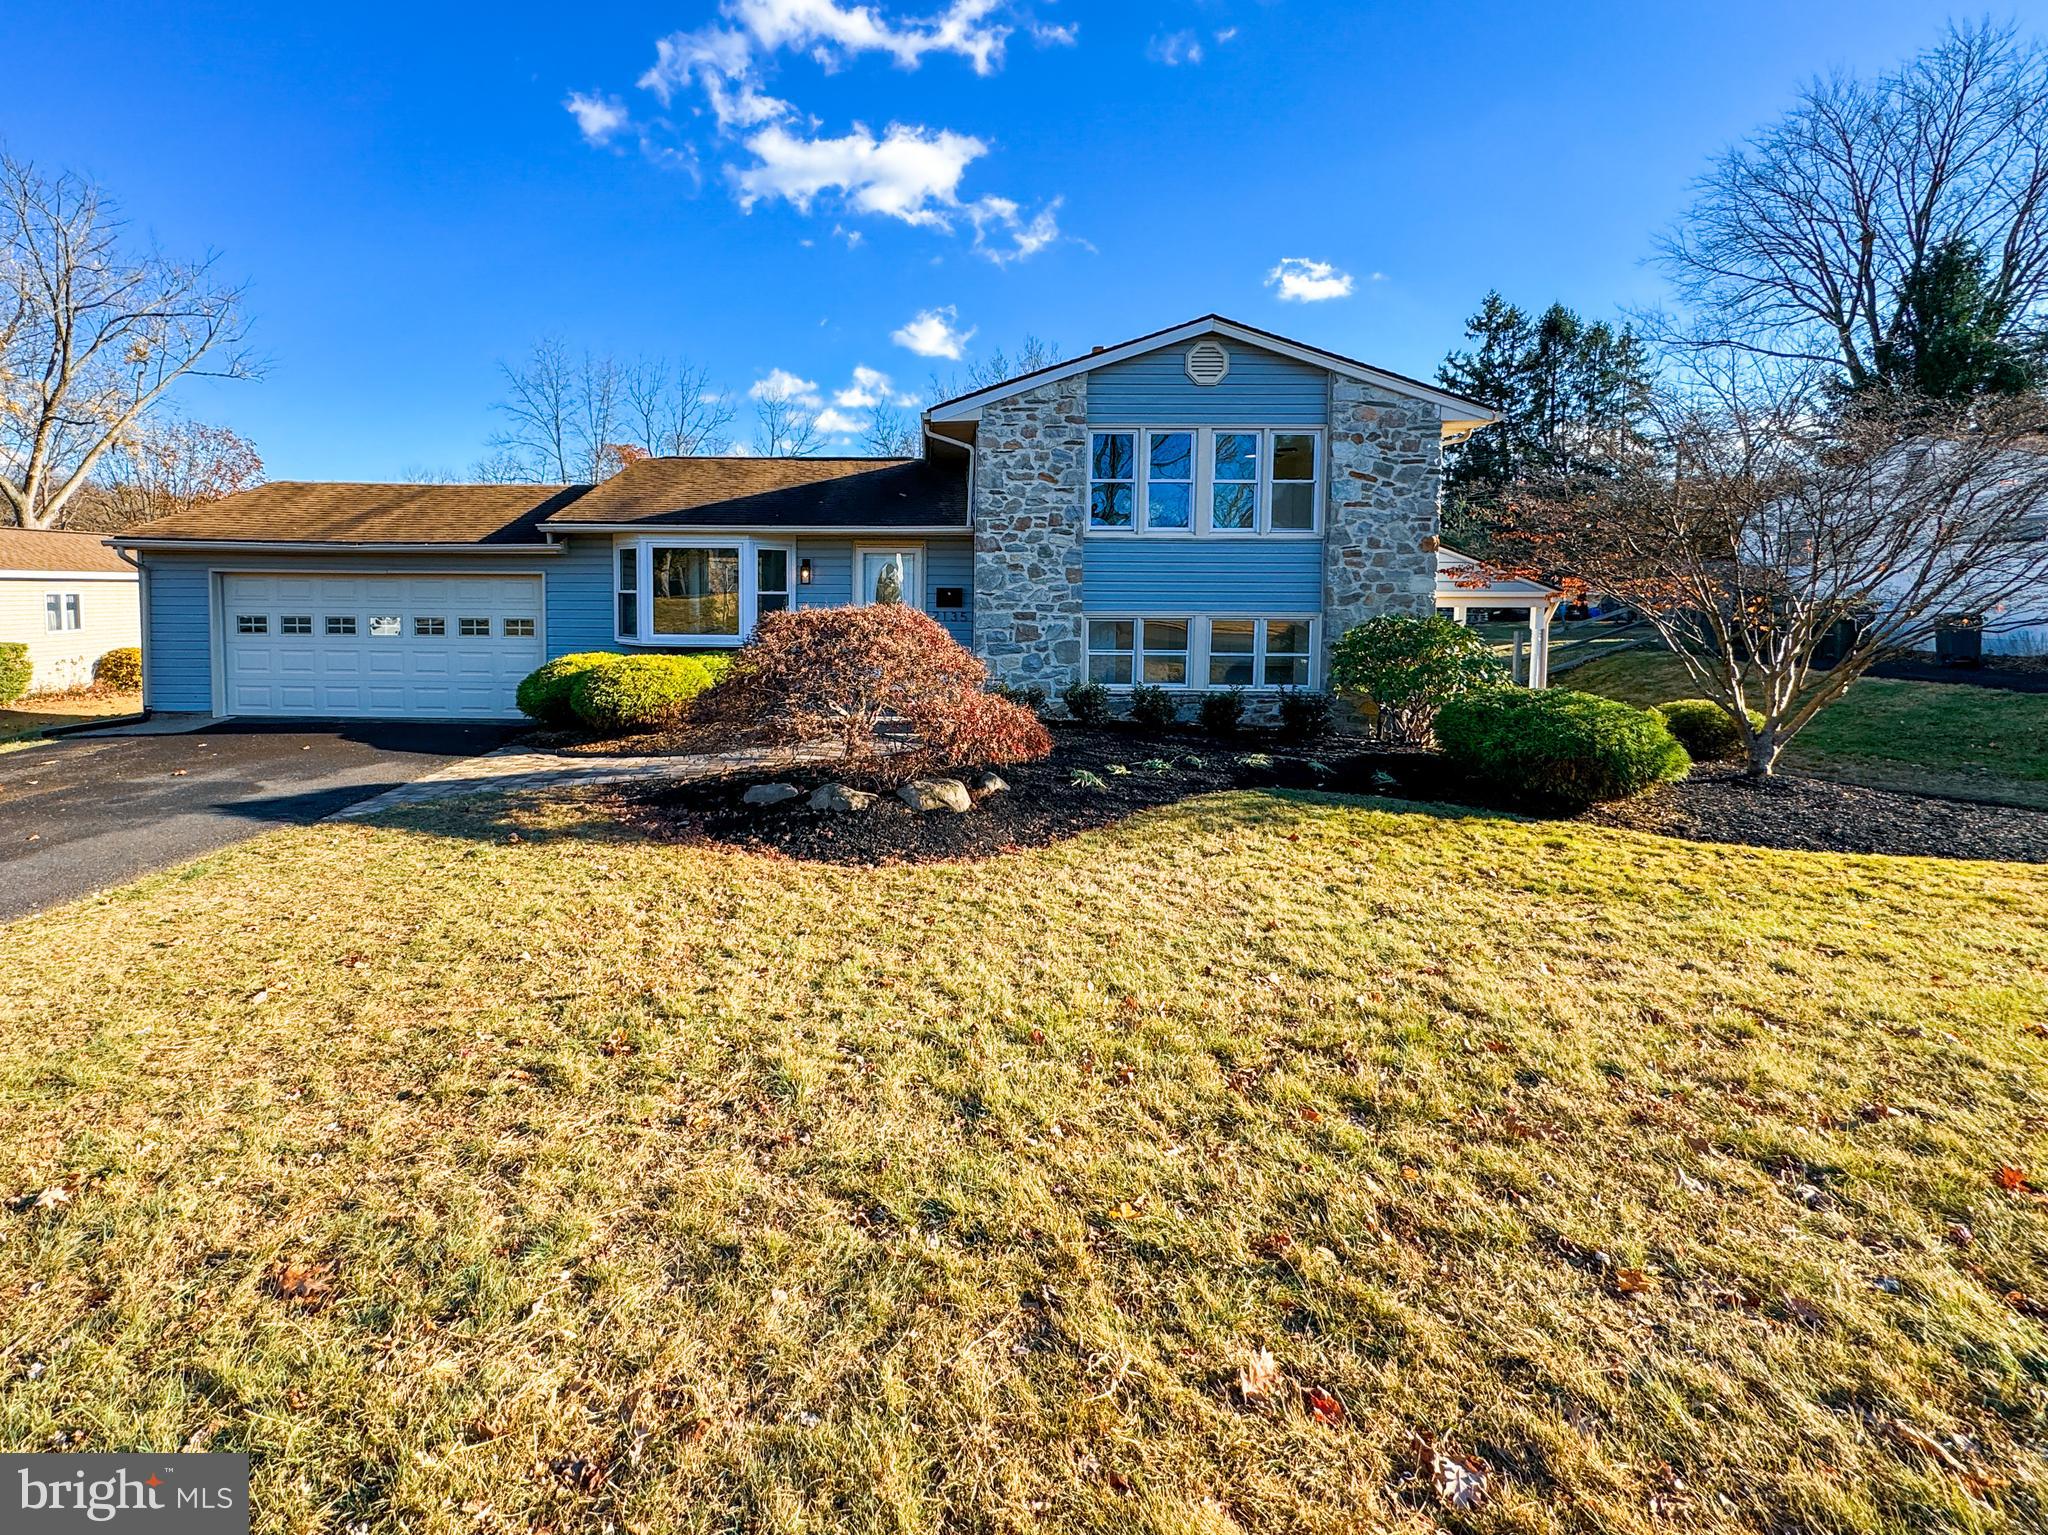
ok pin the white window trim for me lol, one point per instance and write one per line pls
(916, 551)
(1200, 524)
(1198, 648)
(70, 612)
(643, 547)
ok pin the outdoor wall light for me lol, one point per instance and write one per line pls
(803, 572)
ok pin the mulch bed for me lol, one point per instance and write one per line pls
(1722, 804)
(1098, 776)
(1043, 803)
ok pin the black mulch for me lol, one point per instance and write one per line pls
(1721, 804)
(1127, 770)
(1096, 777)
(2012, 674)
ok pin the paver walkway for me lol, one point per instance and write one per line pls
(516, 769)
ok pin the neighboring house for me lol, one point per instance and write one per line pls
(1206, 506)
(70, 598)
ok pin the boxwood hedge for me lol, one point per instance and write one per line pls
(1556, 749)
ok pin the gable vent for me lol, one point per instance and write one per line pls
(1208, 363)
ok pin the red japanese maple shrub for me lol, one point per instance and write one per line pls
(885, 683)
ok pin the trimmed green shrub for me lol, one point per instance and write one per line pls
(716, 663)
(1032, 695)
(1406, 668)
(15, 670)
(1304, 716)
(634, 693)
(120, 670)
(1705, 729)
(1221, 712)
(544, 694)
(1153, 707)
(1557, 749)
(1087, 702)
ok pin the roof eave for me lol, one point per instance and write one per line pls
(322, 546)
(1459, 416)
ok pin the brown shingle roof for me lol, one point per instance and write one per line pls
(776, 493)
(309, 512)
(59, 553)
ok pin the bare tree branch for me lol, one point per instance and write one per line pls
(93, 335)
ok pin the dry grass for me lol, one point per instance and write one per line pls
(24, 720)
(620, 1186)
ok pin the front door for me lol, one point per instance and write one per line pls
(890, 575)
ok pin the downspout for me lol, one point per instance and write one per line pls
(142, 604)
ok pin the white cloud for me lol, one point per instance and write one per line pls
(1301, 281)
(1027, 236)
(781, 384)
(597, 117)
(1226, 34)
(935, 333)
(1048, 34)
(836, 423)
(910, 172)
(871, 387)
(1174, 48)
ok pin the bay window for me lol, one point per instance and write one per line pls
(698, 591)
(1229, 481)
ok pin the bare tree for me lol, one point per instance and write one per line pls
(580, 419)
(892, 432)
(672, 410)
(1805, 242)
(1766, 524)
(93, 334)
(164, 467)
(996, 367)
(784, 426)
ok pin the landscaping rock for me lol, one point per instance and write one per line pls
(770, 794)
(936, 794)
(841, 799)
(989, 783)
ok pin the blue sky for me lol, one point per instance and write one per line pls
(411, 197)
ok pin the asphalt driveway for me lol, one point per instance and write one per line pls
(85, 812)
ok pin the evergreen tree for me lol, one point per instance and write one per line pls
(1956, 337)
(1571, 397)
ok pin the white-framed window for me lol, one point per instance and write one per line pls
(384, 626)
(704, 590)
(252, 623)
(1113, 480)
(430, 628)
(341, 624)
(62, 612)
(1218, 481)
(473, 628)
(1215, 650)
(518, 628)
(295, 623)
(1122, 651)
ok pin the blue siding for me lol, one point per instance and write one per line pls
(579, 597)
(951, 563)
(1201, 575)
(177, 648)
(831, 572)
(1262, 389)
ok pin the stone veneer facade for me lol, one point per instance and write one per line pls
(1381, 519)
(1030, 504)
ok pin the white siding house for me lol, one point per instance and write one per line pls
(70, 598)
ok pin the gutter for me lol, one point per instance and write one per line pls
(282, 546)
(760, 530)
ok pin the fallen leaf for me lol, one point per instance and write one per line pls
(1322, 1407)
(1632, 1282)
(2010, 1178)
(304, 1284)
(1459, 1481)
(1960, 1235)
(50, 1198)
(1258, 1375)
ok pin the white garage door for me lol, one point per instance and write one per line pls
(379, 647)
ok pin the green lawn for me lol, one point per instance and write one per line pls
(1571, 644)
(1942, 738)
(483, 1169)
